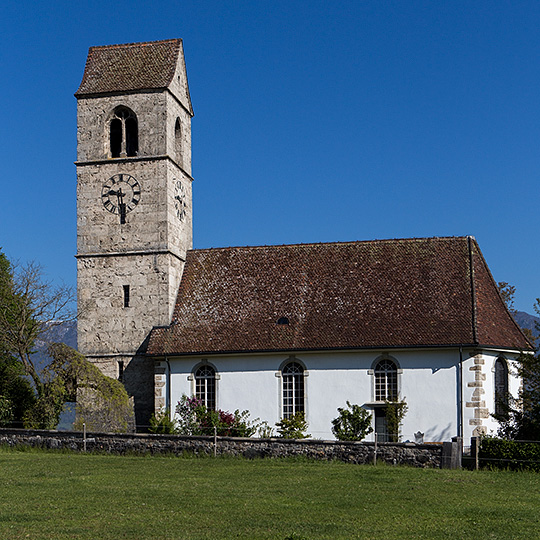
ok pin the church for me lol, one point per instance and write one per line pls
(271, 329)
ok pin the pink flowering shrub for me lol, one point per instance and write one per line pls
(194, 418)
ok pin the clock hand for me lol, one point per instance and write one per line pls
(121, 205)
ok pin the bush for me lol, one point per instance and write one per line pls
(6, 411)
(186, 417)
(353, 424)
(161, 423)
(194, 418)
(294, 427)
(45, 412)
(508, 454)
(264, 431)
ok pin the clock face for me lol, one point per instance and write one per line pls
(120, 194)
(180, 205)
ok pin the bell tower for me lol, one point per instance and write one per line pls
(134, 205)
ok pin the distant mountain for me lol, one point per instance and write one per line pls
(65, 332)
(530, 322)
(525, 320)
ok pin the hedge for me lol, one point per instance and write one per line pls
(509, 454)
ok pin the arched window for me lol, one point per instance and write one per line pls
(205, 386)
(293, 389)
(386, 382)
(501, 387)
(124, 133)
(178, 141)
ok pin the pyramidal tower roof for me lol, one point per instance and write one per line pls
(132, 67)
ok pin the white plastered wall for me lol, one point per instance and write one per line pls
(428, 381)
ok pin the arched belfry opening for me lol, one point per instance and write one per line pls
(178, 141)
(124, 133)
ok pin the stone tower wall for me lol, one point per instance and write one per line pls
(147, 252)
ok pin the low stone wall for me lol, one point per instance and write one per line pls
(416, 455)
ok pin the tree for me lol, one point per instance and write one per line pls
(29, 306)
(6, 411)
(520, 419)
(16, 392)
(507, 293)
(161, 422)
(102, 402)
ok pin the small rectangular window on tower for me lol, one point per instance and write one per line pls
(121, 370)
(126, 295)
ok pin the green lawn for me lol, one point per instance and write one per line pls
(52, 495)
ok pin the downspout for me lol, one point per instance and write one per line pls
(474, 323)
(460, 422)
(168, 393)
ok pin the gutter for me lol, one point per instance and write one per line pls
(316, 350)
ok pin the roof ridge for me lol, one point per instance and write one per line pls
(135, 43)
(335, 243)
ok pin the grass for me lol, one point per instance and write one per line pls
(47, 495)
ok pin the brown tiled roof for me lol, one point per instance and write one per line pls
(130, 67)
(376, 294)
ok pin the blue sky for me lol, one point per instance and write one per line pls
(314, 122)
